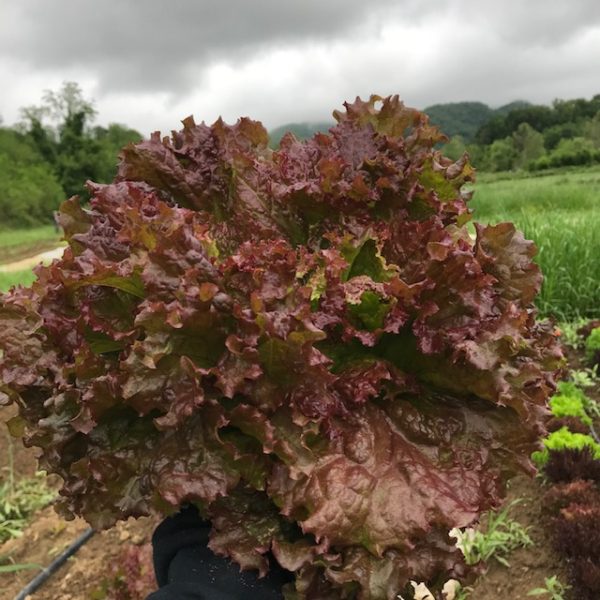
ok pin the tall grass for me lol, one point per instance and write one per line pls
(561, 213)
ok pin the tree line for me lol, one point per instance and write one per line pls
(535, 137)
(56, 148)
(52, 152)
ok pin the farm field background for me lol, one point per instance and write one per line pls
(560, 211)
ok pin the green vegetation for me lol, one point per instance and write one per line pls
(501, 536)
(11, 238)
(569, 332)
(302, 131)
(29, 189)
(564, 439)
(584, 378)
(592, 345)
(560, 213)
(553, 589)
(12, 568)
(522, 136)
(464, 119)
(8, 280)
(52, 153)
(19, 500)
(570, 405)
(21, 243)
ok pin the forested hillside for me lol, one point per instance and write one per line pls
(535, 137)
(466, 118)
(302, 131)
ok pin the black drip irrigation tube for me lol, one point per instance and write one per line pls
(41, 578)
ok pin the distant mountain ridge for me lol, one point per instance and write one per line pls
(453, 118)
(465, 118)
(302, 131)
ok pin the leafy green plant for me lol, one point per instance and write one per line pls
(563, 405)
(500, 537)
(585, 378)
(553, 588)
(565, 439)
(574, 389)
(286, 338)
(592, 346)
(568, 333)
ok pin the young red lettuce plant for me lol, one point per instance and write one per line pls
(307, 343)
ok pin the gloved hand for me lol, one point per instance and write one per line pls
(186, 569)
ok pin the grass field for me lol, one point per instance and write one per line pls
(20, 243)
(7, 280)
(561, 213)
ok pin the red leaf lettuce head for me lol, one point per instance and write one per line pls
(306, 343)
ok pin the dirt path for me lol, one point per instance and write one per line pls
(32, 261)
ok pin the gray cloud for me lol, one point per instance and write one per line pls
(153, 44)
(149, 63)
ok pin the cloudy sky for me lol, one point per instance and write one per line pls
(150, 63)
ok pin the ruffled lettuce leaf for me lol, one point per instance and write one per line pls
(306, 343)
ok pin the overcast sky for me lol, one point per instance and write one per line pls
(150, 63)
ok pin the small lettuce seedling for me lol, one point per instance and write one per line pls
(564, 405)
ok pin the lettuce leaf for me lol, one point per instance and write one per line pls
(306, 343)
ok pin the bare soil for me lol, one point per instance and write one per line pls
(48, 535)
(528, 566)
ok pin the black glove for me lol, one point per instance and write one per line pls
(186, 569)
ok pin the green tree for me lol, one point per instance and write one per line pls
(455, 148)
(59, 128)
(29, 190)
(575, 151)
(501, 155)
(459, 118)
(591, 130)
(28, 193)
(111, 140)
(528, 144)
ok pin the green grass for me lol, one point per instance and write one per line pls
(561, 213)
(16, 237)
(20, 243)
(7, 280)
(20, 499)
(500, 536)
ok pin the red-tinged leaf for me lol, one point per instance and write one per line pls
(304, 342)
